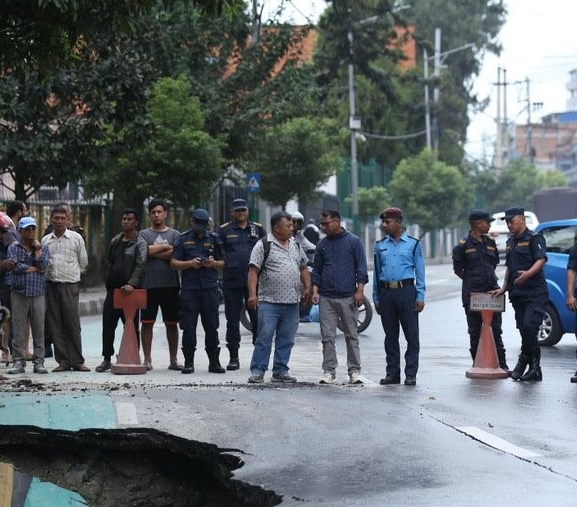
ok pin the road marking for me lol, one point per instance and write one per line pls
(126, 414)
(496, 442)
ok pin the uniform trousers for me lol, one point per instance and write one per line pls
(397, 306)
(203, 303)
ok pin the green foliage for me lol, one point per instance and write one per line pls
(372, 201)
(431, 193)
(177, 159)
(296, 157)
(41, 35)
(515, 184)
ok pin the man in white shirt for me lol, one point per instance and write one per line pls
(68, 259)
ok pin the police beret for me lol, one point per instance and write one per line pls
(480, 214)
(392, 213)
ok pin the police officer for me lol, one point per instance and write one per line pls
(197, 256)
(474, 261)
(525, 281)
(237, 238)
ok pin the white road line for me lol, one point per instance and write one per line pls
(126, 414)
(496, 442)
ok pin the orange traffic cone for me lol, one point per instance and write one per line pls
(128, 359)
(486, 363)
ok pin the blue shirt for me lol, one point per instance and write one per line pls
(28, 283)
(399, 260)
(339, 265)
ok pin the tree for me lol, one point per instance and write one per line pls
(41, 35)
(296, 157)
(431, 193)
(177, 159)
(372, 201)
(515, 185)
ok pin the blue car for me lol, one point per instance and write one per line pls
(560, 236)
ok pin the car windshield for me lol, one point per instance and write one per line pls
(560, 239)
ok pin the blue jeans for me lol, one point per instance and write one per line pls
(280, 321)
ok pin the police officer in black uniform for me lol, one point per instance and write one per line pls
(524, 279)
(196, 254)
(237, 238)
(474, 261)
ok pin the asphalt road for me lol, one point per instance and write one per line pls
(449, 441)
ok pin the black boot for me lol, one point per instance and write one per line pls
(213, 361)
(234, 363)
(574, 378)
(519, 369)
(502, 360)
(534, 371)
(188, 360)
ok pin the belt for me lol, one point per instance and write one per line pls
(398, 285)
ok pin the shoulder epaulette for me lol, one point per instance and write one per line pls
(224, 225)
(257, 224)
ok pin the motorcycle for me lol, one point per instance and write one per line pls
(364, 316)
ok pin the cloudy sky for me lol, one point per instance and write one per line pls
(539, 44)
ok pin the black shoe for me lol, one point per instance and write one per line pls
(103, 366)
(188, 368)
(234, 364)
(389, 379)
(410, 380)
(574, 378)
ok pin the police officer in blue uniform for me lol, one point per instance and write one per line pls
(399, 294)
(474, 261)
(237, 239)
(524, 279)
(196, 254)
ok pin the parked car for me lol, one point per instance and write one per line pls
(500, 232)
(560, 236)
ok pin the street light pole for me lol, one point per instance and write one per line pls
(354, 126)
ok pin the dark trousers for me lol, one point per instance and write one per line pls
(110, 316)
(397, 307)
(529, 311)
(203, 302)
(475, 323)
(233, 302)
(63, 317)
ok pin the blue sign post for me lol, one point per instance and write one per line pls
(253, 187)
(253, 182)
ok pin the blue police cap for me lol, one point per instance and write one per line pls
(200, 217)
(480, 214)
(513, 212)
(239, 204)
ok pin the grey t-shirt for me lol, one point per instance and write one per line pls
(158, 271)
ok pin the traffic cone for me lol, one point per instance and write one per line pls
(128, 359)
(486, 363)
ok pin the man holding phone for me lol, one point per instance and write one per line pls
(197, 256)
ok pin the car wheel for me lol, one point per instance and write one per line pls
(550, 331)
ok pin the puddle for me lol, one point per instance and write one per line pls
(130, 467)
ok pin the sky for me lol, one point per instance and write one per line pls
(539, 43)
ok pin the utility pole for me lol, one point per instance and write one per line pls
(436, 93)
(499, 140)
(354, 126)
(255, 23)
(529, 126)
(427, 107)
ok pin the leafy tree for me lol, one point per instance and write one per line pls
(40, 35)
(372, 201)
(178, 159)
(515, 185)
(432, 193)
(296, 157)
